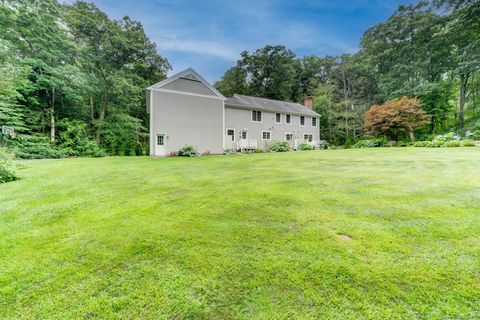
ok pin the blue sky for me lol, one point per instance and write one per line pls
(209, 35)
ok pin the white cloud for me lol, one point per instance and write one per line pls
(197, 46)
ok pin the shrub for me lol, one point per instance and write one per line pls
(422, 144)
(450, 144)
(348, 144)
(188, 151)
(7, 167)
(468, 143)
(258, 150)
(305, 147)
(36, 147)
(437, 144)
(279, 146)
(451, 136)
(370, 143)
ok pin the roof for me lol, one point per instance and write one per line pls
(187, 74)
(268, 104)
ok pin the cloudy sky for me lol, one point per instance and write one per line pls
(209, 35)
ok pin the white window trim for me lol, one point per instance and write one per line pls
(164, 139)
(311, 122)
(270, 135)
(300, 121)
(241, 134)
(234, 133)
(280, 122)
(251, 116)
(288, 123)
(286, 136)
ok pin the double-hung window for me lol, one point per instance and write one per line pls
(314, 122)
(278, 118)
(289, 136)
(308, 137)
(302, 120)
(256, 116)
(266, 135)
(288, 119)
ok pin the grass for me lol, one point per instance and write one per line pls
(350, 234)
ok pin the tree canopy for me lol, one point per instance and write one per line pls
(72, 79)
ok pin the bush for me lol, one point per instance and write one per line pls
(422, 144)
(7, 167)
(258, 150)
(468, 143)
(451, 136)
(437, 144)
(188, 151)
(36, 147)
(450, 144)
(370, 143)
(305, 147)
(279, 146)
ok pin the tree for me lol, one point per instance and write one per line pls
(395, 118)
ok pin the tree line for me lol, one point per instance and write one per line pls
(429, 51)
(72, 80)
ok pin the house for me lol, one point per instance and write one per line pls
(186, 110)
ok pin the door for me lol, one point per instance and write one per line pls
(230, 143)
(160, 149)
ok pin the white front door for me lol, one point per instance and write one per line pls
(160, 149)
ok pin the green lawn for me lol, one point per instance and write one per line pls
(386, 233)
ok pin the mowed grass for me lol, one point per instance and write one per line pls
(341, 234)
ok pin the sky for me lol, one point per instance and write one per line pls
(209, 35)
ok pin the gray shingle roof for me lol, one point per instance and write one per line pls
(269, 104)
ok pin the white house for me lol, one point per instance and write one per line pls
(186, 110)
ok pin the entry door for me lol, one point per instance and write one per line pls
(160, 146)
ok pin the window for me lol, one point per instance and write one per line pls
(287, 118)
(289, 136)
(308, 137)
(244, 134)
(266, 135)
(278, 118)
(302, 120)
(231, 134)
(314, 122)
(160, 140)
(256, 116)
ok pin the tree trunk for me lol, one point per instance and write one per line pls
(463, 90)
(101, 117)
(92, 114)
(52, 117)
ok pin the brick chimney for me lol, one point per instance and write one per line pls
(308, 102)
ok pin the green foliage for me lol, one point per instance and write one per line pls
(36, 147)
(371, 143)
(74, 140)
(187, 151)
(258, 150)
(7, 166)
(451, 136)
(450, 144)
(305, 147)
(279, 146)
(60, 62)
(468, 143)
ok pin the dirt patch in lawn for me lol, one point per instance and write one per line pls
(344, 236)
